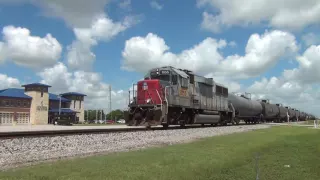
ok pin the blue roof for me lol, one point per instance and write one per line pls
(14, 93)
(73, 93)
(62, 110)
(54, 97)
(35, 84)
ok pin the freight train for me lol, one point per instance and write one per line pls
(172, 96)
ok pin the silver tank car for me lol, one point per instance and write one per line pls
(303, 116)
(292, 114)
(289, 112)
(297, 114)
(245, 108)
(270, 111)
(282, 112)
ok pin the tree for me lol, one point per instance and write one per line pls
(115, 115)
(91, 115)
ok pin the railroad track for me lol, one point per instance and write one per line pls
(66, 132)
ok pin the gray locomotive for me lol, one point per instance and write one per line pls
(172, 96)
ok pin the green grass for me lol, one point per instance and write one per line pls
(225, 157)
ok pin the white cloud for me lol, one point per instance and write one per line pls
(126, 4)
(282, 14)
(2, 52)
(26, 50)
(89, 83)
(289, 93)
(156, 5)
(261, 53)
(76, 13)
(309, 65)
(311, 39)
(8, 82)
(89, 23)
(233, 86)
(296, 87)
(103, 28)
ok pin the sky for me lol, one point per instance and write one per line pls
(269, 48)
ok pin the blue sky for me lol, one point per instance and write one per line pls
(181, 26)
(180, 31)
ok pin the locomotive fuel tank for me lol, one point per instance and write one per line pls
(282, 112)
(245, 108)
(269, 111)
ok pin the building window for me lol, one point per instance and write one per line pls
(79, 104)
(74, 104)
(19, 103)
(24, 103)
(41, 93)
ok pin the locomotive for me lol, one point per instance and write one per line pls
(171, 96)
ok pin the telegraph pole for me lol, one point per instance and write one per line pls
(110, 109)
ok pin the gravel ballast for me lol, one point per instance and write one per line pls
(16, 152)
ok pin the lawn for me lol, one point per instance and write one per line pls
(225, 157)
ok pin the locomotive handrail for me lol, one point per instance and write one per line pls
(159, 98)
(165, 97)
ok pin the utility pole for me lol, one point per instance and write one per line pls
(110, 108)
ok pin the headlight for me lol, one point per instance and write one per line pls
(148, 101)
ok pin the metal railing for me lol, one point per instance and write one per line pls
(134, 97)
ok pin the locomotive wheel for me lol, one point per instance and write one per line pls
(236, 121)
(165, 126)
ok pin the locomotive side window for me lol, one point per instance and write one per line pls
(174, 80)
(184, 82)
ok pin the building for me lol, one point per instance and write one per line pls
(35, 105)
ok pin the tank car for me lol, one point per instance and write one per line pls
(282, 113)
(172, 96)
(270, 112)
(246, 109)
(294, 116)
(302, 116)
(291, 113)
(297, 115)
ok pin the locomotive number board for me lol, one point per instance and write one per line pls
(163, 72)
(183, 92)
